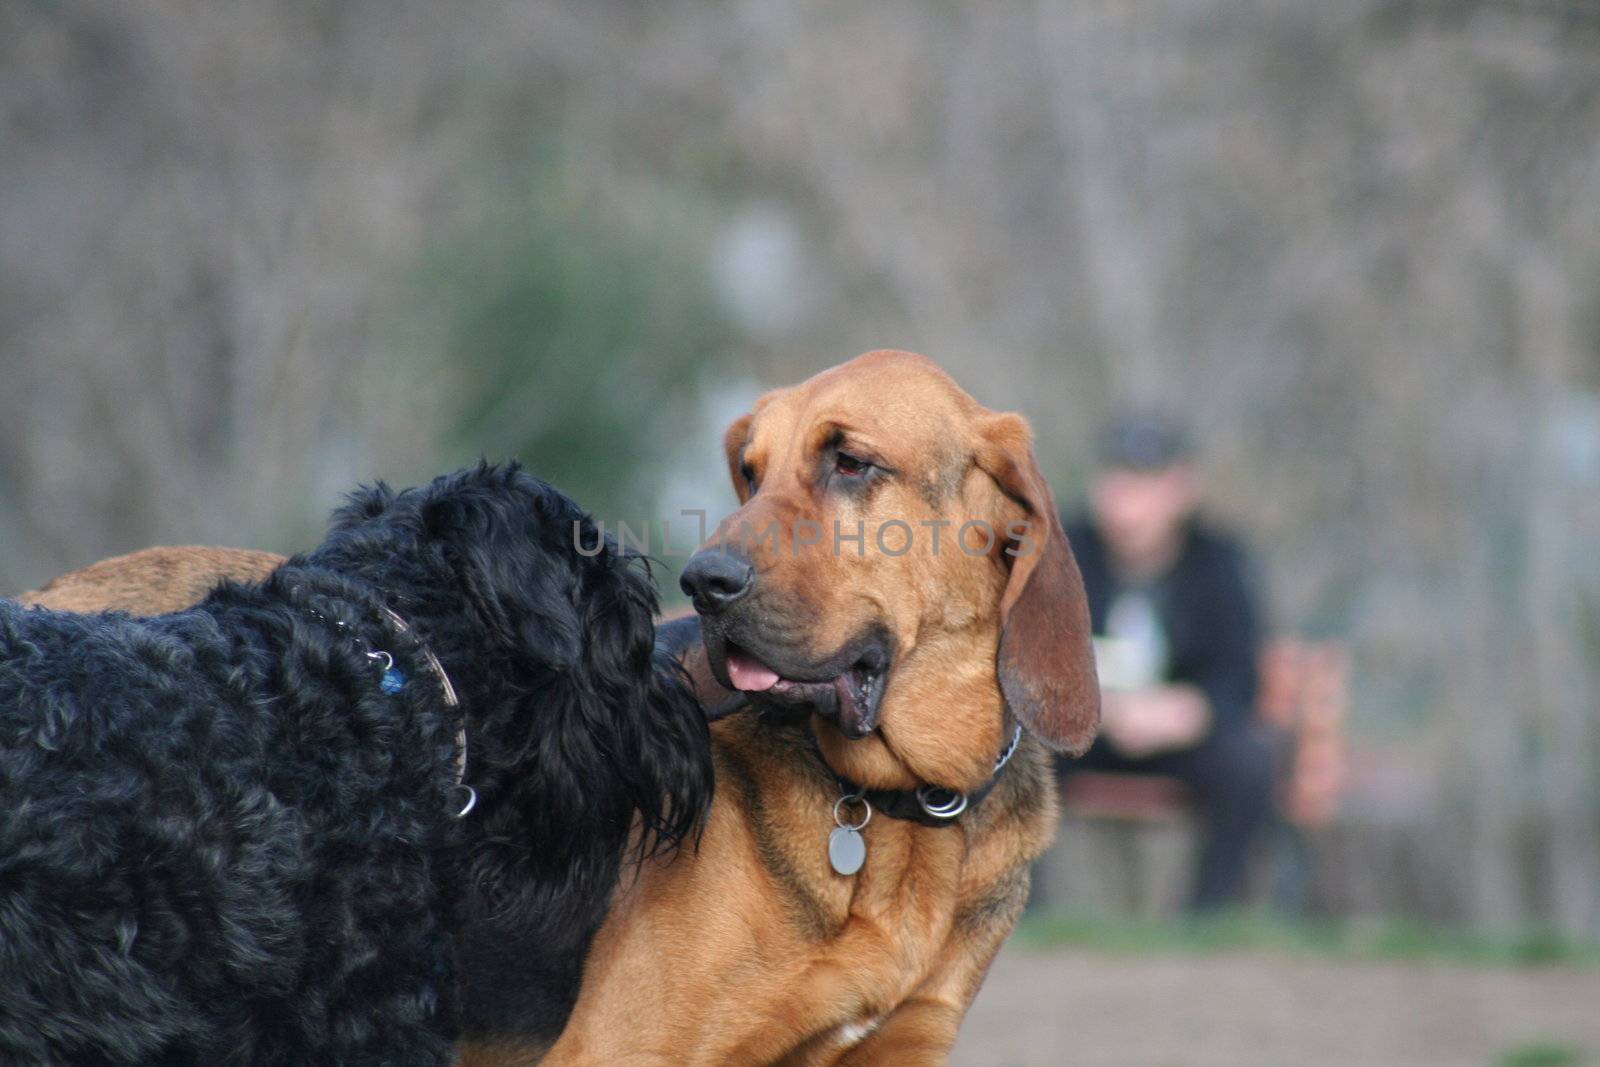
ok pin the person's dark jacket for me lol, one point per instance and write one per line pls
(1207, 608)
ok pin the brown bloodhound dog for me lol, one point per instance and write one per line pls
(896, 667)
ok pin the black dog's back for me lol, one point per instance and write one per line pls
(178, 882)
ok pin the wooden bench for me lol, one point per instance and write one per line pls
(1303, 694)
(1131, 844)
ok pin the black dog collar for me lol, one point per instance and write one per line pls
(393, 680)
(450, 701)
(930, 805)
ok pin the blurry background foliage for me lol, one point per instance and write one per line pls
(252, 254)
(578, 337)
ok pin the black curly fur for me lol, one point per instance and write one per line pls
(222, 843)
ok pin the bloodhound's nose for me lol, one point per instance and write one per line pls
(716, 578)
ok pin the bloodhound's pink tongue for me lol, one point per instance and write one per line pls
(750, 675)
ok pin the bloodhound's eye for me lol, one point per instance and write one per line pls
(849, 465)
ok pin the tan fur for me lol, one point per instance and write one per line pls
(752, 950)
(152, 581)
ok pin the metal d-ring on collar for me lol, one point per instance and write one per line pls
(941, 803)
(928, 804)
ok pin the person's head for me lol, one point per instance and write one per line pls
(1146, 489)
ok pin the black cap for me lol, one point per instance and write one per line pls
(1144, 440)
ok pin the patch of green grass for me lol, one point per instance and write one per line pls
(1355, 939)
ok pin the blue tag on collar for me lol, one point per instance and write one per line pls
(393, 681)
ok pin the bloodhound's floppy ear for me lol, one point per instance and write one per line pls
(1046, 662)
(733, 447)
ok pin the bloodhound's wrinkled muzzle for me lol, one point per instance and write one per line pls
(756, 645)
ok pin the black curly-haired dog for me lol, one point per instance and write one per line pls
(229, 835)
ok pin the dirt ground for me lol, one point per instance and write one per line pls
(1086, 1008)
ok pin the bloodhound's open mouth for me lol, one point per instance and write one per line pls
(846, 689)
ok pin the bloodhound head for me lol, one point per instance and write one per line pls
(897, 572)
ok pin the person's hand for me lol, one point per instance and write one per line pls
(1141, 723)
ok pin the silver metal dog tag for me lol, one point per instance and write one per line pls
(847, 850)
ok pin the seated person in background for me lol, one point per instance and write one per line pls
(1176, 643)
